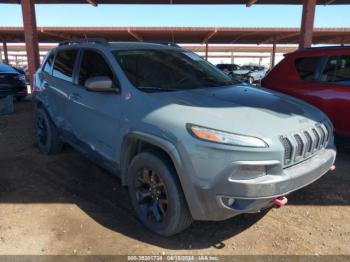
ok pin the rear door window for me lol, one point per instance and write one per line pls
(64, 64)
(307, 67)
(337, 70)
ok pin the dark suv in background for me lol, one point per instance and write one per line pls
(12, 82)
(320, 76)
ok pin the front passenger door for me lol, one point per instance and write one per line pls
(95, 115)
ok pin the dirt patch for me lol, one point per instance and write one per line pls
(65, 204)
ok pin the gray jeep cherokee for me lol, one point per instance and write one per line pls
(189, 143)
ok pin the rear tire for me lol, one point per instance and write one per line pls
(46, 133)
(156, 194)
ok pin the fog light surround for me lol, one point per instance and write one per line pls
(228, 201)
(246, 172)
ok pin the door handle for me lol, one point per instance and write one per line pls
(46, 85)
(75, 96)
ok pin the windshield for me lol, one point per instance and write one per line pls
(169, 70)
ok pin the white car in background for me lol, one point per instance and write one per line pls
(249, 73)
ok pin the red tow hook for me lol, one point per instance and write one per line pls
(332, 168)
(280, 201)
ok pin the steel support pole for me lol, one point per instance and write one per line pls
(206, 51)
(342, 42)
(273, 54)
(31, 37)
(6, 55)
(307, 23)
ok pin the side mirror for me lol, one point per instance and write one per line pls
(100, 84)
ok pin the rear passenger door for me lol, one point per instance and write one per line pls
(59, 86)
(94, 116)
(306, 86)
(335, 78)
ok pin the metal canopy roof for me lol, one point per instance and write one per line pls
(181, 34)
(195, 48)
(247, 2)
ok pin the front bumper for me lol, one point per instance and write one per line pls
(243, 78)
(253, 195)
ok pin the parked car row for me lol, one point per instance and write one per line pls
(188, 141)
(247, 73)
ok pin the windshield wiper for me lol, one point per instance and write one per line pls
(222, 84)
(157, 88)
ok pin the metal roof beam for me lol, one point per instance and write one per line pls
(209, 36)
(197, 2)
(278, 38)
(238, 37)
(92, 2)
(59, 35)
(336, 40)
(56, 34)
(135, 35)
(250, 3)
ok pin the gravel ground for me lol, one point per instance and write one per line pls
(65, 204)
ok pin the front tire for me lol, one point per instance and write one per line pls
(46, 133)
(156, 194)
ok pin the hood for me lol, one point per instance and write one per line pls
(243, 109)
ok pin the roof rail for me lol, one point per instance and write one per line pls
(324, 47)
(101, 41)
(167, 43)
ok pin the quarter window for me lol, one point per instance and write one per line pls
(48, 64)
(307, 67)
(92, 65)
(64, 64)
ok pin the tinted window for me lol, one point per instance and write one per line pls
(337, 70)
(307, 67)
(247, 67)
(222, 66)
(169, 70)
(227, 67)
(93, 64)
(48, 64)
(64, 64)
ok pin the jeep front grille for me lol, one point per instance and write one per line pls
(304, 143)
(288, 150)
(308, 144)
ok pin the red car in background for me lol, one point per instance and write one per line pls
(319, 76)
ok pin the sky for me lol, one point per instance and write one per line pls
(176, 15)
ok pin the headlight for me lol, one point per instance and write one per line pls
(226, 138)
(21, 78)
